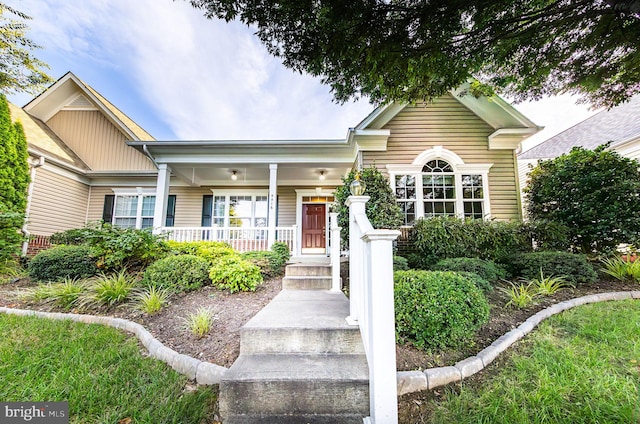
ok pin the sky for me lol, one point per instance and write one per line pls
(184, 77)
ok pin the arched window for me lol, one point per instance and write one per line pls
(439, 183)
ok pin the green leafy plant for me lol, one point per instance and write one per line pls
(200, 322)
(549, 285)
(192, 247)
(400, 263)
(212, 253)
(60, 262)
(110, 290)
(575, 268)
(520, 295)
(486, 269)
(621, 269)
(177, 273)
(235, 274)
(151, 300)
(269, 262)
(437, 309)
(382, 209)
(65, 295)
(595, 193)
(282, 250)
(116, 248)
(10, 269)
(441, 238)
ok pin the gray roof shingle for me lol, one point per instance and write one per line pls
(617, 125)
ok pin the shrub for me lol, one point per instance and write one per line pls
(110, 290)
(233, 273)
(116, 248)
(573, 267)
(480, 282)
(484, 268)
(437, 309)
(595, 193)
(382, 209)
(177, 273)
(400, 263)
(61, 262)
(192, 247)
(269, 262)
(212, 253)
(281, 249)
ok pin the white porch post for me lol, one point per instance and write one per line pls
(162, 197)
(356, 205)
(335, 252)
(273, 187)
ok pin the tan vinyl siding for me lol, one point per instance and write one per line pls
(446, 122)
(286, 206)
(58, 203)
(189, 205)
(97, 141)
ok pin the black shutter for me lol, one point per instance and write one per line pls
(107, 210)
(171, 211)
(207, 209)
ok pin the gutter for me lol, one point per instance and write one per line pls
(25, 230)
(145, 150)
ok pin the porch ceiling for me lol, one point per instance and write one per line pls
(307, 174)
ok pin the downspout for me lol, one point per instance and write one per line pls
(148, 154)
(25, 230)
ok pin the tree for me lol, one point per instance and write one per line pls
(382, 209)
(410, 50)
(20, 71)
(595, 193)
(14, 182)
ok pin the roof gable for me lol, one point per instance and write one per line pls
(618, 124)
(70, 93)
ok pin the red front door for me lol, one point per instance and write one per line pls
(313, 228)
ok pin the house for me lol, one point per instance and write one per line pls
(619, 125)
(90, 162)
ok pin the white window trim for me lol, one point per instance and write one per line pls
(460, 168)
(140, 193)
(227, 193)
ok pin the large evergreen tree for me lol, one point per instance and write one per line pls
(417, 50)
(14, 182)
(595, 193)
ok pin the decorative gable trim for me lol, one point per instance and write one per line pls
(80, 103)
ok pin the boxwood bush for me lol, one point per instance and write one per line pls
(575, 268)
(486, 269)
(437, 309)
(177, 273)
(231, 272)
(269, 262)
(60, 262)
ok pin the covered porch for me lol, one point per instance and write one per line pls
(252, 193)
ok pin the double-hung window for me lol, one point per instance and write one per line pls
(134, 210)
(439, 183)
(239, 209)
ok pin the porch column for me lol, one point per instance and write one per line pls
(273, 198)
(162, 196)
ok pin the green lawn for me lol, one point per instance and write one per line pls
(98, 370)
(581, 366)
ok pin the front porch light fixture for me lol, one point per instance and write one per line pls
(357, 186)
(321, 176)
(234, 175)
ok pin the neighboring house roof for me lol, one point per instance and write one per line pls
(44, 141)
(618, 125)
(64, 93)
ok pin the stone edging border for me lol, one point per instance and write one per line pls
(429, 379)
(201, 372)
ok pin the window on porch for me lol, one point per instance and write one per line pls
(231, 210)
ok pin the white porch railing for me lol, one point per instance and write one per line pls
(372, 307)
(243, 239)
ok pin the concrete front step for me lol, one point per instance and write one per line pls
(308, 270)
(302, 322)
(299, 282)
(295, 385)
